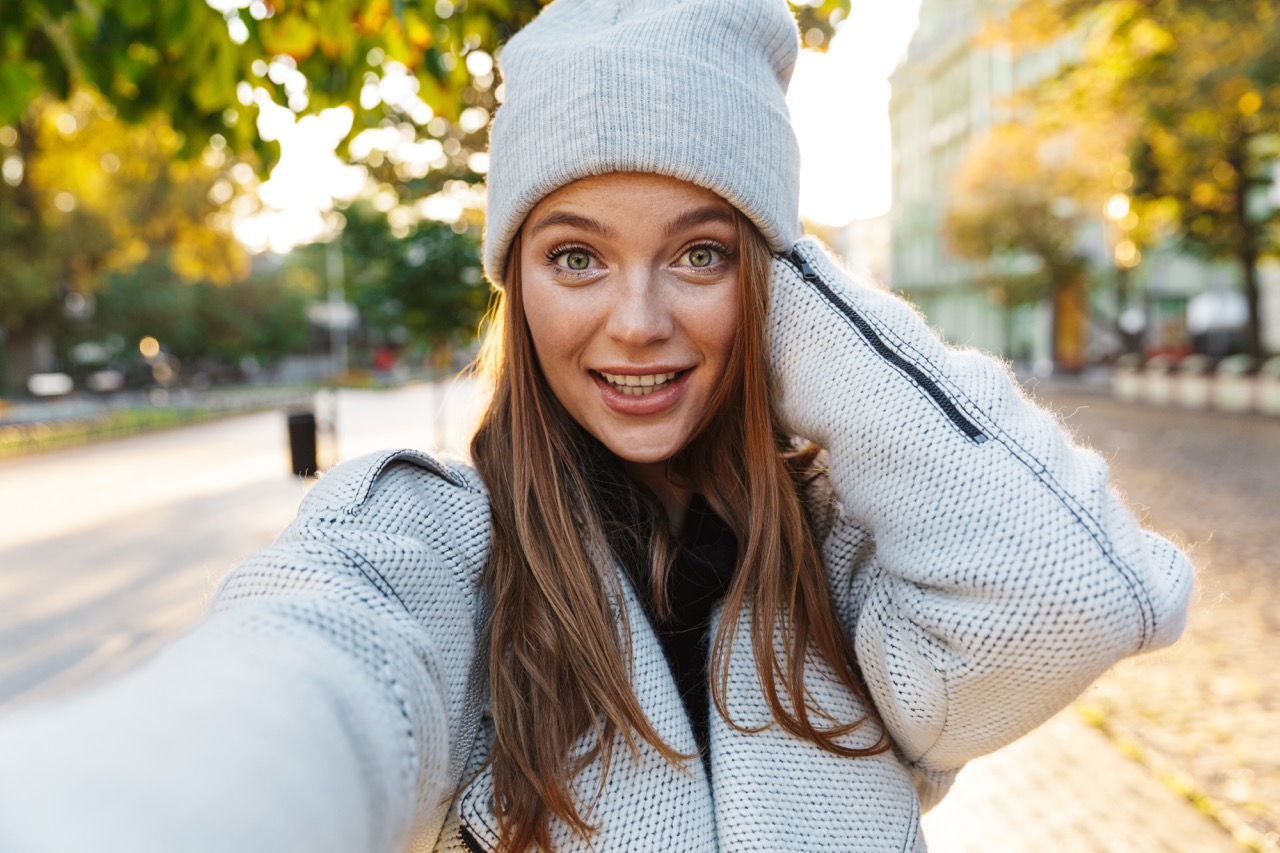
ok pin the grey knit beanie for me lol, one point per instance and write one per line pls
(691, 89)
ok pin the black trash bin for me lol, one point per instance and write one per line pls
(302, 443)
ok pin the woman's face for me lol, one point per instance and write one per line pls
(630, 286)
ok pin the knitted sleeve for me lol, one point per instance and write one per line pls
(1000, 575)
(315, 709)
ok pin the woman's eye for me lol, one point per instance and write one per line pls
(571, 259)
(701, 257)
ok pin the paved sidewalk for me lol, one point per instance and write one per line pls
(1065, 788)
(1206, 712)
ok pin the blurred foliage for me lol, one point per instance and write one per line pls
(187, 60)
(1018, 203)
(83, 194)
(263, 316)
(420, 283)
(1194, 87)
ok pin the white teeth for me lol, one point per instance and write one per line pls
(639, 386)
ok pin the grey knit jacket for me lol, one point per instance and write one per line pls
(333, 701)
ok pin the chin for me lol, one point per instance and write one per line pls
(641, 458)
(641, 453)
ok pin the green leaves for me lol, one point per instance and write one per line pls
(95, 195)
(19, 85)
(184, 59)
(425, 280)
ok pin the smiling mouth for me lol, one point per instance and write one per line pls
(639, 386)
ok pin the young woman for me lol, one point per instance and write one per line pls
(748, 560)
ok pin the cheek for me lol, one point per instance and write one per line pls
(553, 326)
(718, 324)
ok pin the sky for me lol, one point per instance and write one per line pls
(838, 100)
(839, 105)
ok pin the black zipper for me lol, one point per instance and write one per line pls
(945, 403)
(469, 841)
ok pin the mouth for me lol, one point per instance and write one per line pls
(640, 385)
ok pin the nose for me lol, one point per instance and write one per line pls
(639, 314)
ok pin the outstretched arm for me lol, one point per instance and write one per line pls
(314, 710)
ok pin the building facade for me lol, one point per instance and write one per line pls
(953, 86)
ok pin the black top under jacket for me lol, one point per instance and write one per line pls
(700, 577)
(705, 559)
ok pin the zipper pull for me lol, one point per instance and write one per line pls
(800, 263)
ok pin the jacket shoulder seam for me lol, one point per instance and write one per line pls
(350, 485)
(415, 458)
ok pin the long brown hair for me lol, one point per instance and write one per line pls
(558, 658)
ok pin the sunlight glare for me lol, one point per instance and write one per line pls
(306, 181)
(839, 104)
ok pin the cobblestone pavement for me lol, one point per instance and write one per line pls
(1065, 788)
(1204, 716)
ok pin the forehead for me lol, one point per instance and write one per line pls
(623, 192)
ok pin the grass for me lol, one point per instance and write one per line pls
(22, 439)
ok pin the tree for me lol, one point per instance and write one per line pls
(262, 316)
(187, 60)
(192, 61)
(421, 281)
(1200, 81)
(1019, 201)
(83, 194)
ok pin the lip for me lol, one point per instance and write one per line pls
(645, 370)
(650, 404)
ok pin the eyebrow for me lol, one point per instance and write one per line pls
(700, 216)
(573, 220)
(686, 220)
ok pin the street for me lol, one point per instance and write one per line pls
(108, 551)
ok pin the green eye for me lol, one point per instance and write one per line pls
(702, 257)
(577, 261)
